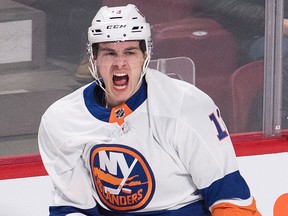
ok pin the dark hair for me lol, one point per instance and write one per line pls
(95, 46)
(142, 46)
(95, 49)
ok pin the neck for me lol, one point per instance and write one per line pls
(109, 104)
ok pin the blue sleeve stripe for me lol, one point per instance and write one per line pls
(196, 208)
(231, 186)
(64, 210)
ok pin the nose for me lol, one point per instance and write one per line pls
(120, 61)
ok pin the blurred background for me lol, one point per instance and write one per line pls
(238, 58)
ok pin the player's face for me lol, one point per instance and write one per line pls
(120, 65)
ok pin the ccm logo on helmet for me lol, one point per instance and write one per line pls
(116, 26)
(122, 177)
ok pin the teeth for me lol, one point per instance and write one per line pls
(120, 74)
(120, 87)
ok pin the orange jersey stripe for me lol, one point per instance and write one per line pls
(228, 209)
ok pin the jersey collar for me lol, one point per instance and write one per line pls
(116, 114)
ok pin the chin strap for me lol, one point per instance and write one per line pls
(93, 70)
(144, 70)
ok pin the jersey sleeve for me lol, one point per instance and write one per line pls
(72, 193)
(203, 143)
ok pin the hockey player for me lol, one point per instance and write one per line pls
(136, 142)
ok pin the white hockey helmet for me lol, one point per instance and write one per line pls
(120, 24)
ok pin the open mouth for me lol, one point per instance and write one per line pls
(120, 80)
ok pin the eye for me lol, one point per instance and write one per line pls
(130, 53)
(109, 54)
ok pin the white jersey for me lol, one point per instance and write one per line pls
(171, 151)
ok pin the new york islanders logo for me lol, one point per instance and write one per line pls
(122, 177)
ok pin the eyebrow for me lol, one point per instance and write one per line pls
(132, 48)
(103, 48)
